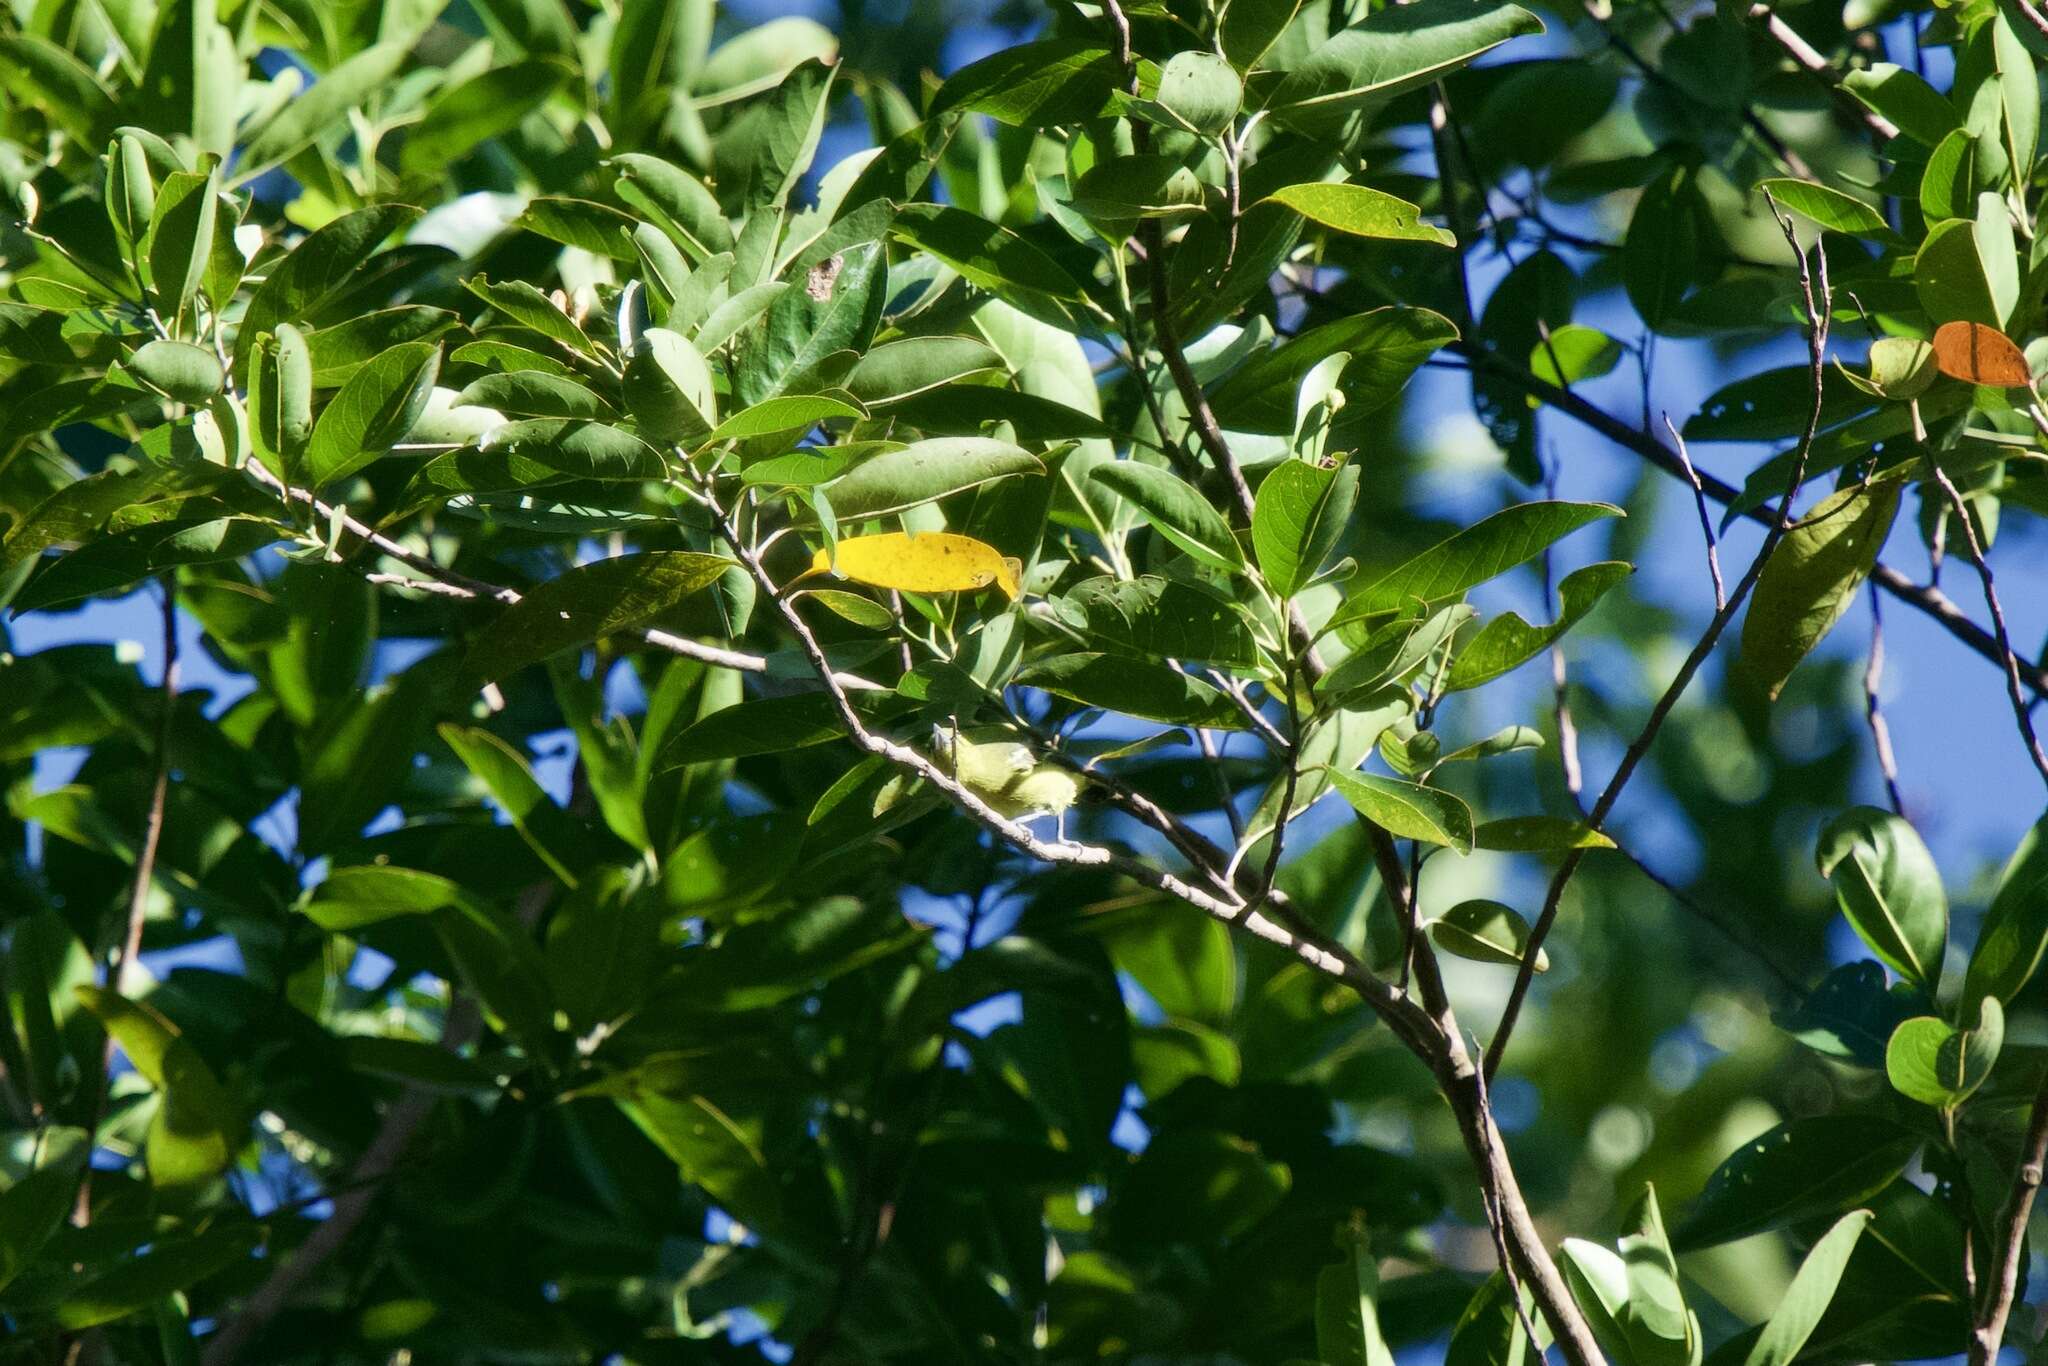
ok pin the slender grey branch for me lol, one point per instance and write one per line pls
(1818, 305)
(1975, 546)
(1873, 712)
(1988, 1334)
(1921, 597)
(1810, 60)
(1699, 497)
(451, 583)
(128, 948)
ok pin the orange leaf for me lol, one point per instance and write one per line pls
(1981, 355)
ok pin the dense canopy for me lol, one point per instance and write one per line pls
(1168, 682)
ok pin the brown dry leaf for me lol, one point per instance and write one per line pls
(1981, 355)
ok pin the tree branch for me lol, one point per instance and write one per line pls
(1818, 312)
(1989, 1333)
(129, 947)
(1975, 545)
(1923, 598)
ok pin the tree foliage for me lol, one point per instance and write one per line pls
(873, 755)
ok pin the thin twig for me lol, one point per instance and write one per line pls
(1989, 1333)
(451, 583)
(1819, 302)
(1921, 597)
(1811, 61)
(129, 947)
(1873, 712)
(1699, 497)
(1975, 546)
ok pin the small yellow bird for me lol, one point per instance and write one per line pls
(1008, 776)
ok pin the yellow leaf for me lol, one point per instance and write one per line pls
(931, 562)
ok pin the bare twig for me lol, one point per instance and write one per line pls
(1873, 713)
(1810, 60)
(1989, 1333)
(1923, 598)
(129, 947)
(1818, 304)
(451, 583)
(1699, 496)
(1975, 546)
(352, 1201)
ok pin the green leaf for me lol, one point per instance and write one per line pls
(1116, 192)
(2019, 91)
(1301, 513)
(487, 105)
(552, 836)
(1538, 835)
(924, 472)
(1158, 617)
(1386, 346)
(1508, 642)
(1175, 509)
(1920, 111)
(791, 413)
(321, 107)
(1572, 354)
(1397, 50)
(1485, 932)
(1807, 1169)
(34, 1207)
(1471, 557)
(1931, 1061)
(2015, 930)
(712, 1151)
(1809, 1295)
(1889, 888)
(764, 152)
(1654, 1321)
(1408, 810)
(1851, 1014)
(1249, 29)
(372, 412)
(1950, 277)
(322, 264)
(1812, 577)
(1660, 256)
(674, 201)
(1134, 687)
(587, 450)
(534, 393)
(349, 898)
(897, 370)
(1361, 212)
(589, 602)
(180, 241)
(1948, 187)
(185, 372)
(1035, 85)
(64, 88)
(338, 351)
(668, 387)
(1829, 208)
(984, 254)
(527, 306)
(1347, 1309)
(766, 725)
(197, 1127)
(193, 77)
(169, 1266)
(834, 304)
(1200, 92)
